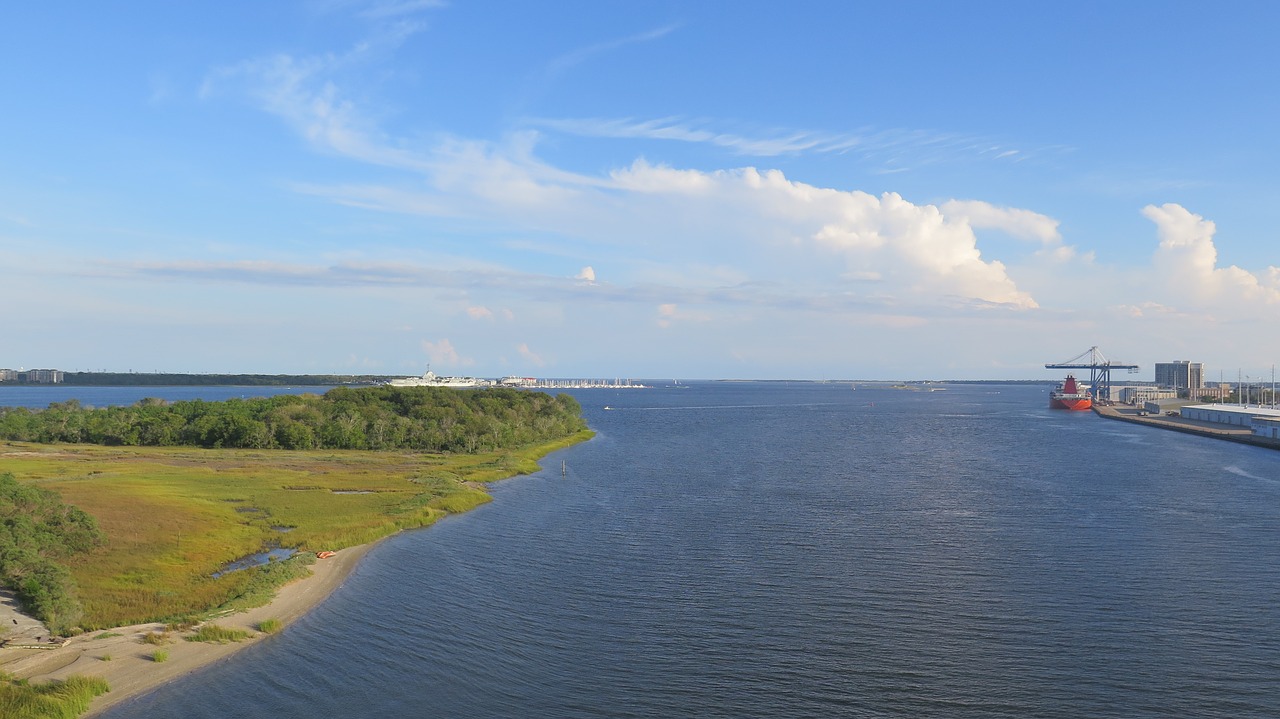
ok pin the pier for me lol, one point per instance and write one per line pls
(1242, 435)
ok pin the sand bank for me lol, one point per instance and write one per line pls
(129, 668)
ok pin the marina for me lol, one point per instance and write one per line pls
(431, 379)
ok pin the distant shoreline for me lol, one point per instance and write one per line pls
(168, 379)
(179, 379)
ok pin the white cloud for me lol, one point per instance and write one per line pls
(305, 93)
(443, 354)
(1023, 224)
(758, 223)
(588, 274)
(480, 313)
(897, 150)
(669, 313)
(914, 245)
(1187, 262)
(529, 355)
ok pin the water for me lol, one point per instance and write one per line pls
(256, 560)
(801, 550)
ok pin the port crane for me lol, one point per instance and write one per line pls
(1099, 370)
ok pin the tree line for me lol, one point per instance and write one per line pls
(162, 379)
(433, 419)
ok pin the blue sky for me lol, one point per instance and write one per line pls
(648, 189)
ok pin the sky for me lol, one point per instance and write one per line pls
(808, 190)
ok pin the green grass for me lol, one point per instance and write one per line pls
(50, 700)
(175, 515)
(105, 658)
(270, 626)
(214, 634)
(159, 656)
(108, 635)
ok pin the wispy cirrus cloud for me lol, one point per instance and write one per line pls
(582, 54)
(901, 146)
(309, 94)
(378, 9)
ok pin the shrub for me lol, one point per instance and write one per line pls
(67, 698)
(156, 638)
(159, 656)
(217, 635)
(270, 626)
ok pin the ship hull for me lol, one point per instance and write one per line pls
(1070, 395)
(1071, 403)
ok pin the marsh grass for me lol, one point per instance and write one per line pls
(108, 635)
(170, 516)
(266, 580)
(159, 656)
(270, 626)
(215, 634)
(156, 638)
(49, 700)
(181, 625)
(105, 658)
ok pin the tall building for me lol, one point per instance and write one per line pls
(1180, 374)
(44, 376)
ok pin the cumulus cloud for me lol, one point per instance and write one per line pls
(442, 353)
(886, 236)
(1016, 222)
(1187, 260)
(480, 313)
(529, 355)
(760, 223)
(1023, 224)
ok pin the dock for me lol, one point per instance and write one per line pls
(1242, 435)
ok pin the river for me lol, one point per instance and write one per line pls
(804, 550)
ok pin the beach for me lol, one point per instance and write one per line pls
(125, 661)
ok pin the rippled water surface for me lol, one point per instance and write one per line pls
(803, 550)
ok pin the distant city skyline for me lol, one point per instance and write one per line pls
(661, 189)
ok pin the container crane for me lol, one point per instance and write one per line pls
(1099, 370)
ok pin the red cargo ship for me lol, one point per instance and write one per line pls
(1070, 395)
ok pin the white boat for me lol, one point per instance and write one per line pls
(431, 379)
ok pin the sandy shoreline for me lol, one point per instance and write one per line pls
(130, 671)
